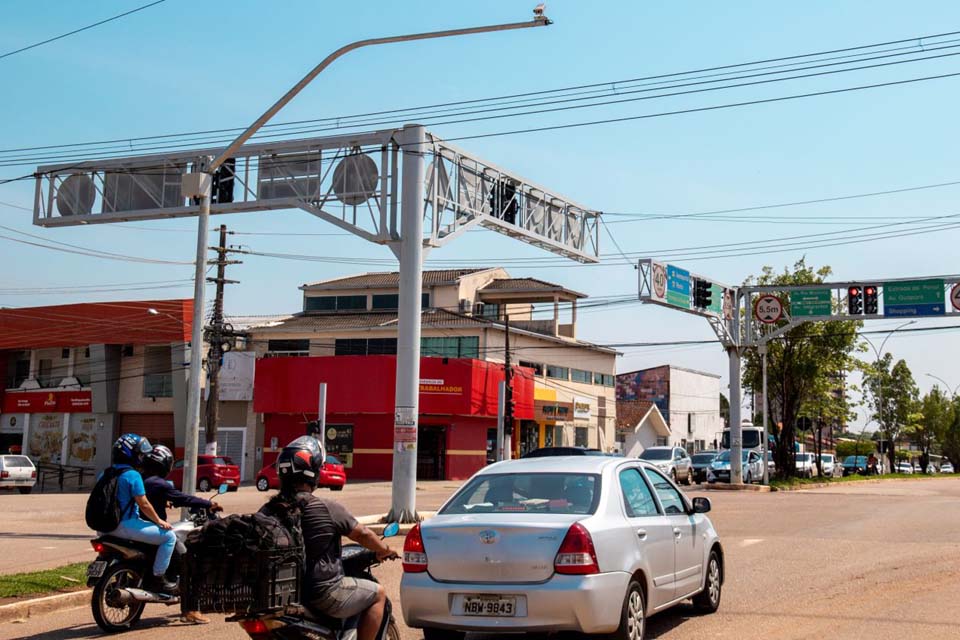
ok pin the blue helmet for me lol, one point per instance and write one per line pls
(130, 449)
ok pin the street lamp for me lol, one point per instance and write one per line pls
(878, 353)
(945, 383)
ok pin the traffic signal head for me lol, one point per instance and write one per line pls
(702, 294)
(871, 305)
(855, 301)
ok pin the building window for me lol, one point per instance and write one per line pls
(456, 347)
(579, 375)
(157, 374)
(581, 437)
(335, 303)
(609, 380)
(662, 441)
(391, 301)
(489, 310)
(46, 377)
(277, 348)
(536, 366)
(365, 346)
(560, 373)
(18, 369)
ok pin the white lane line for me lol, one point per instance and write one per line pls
(747, 542)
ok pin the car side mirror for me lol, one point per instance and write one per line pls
(701, 504)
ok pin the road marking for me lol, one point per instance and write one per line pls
(747, 542)
(48, 548)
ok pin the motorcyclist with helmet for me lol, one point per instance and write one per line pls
(126, 456)
(323, 522)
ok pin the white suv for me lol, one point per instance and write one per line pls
(828, 463)
(17, 472)
(673, 461)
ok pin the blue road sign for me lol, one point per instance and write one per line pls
(678, 286)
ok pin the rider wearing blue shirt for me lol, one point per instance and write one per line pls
(128, 452)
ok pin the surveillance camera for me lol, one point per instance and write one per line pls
(538, 10)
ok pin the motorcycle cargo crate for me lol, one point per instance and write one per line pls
(248, 582)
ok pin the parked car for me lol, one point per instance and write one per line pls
(853, 465)
(212, 471)
(806, 465)
(17, 472)
(332, 475)
(545, 452)
(771, 463)
(589, 545)
(701, 463)
(946, 467)
(752, 467)
(829, 464)
(673, 461)
(904, 467)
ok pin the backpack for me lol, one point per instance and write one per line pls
(103, 512)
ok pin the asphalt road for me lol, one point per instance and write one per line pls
(871, 560)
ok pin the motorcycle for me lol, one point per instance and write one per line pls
(118, 573)
(298, 623)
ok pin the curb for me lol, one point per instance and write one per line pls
(48, 604)
(376, 522)
(757, 488)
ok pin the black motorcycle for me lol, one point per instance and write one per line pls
(117, 575)
(298, 623)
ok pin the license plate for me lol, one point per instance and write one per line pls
(96, 569)
(491, 606)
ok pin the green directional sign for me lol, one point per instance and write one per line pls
(811, 302)
(716, 299)
(914, 298)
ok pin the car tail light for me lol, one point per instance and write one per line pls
(4, 474)
(255, 628)
(576, 555)
(414, 555)
(33, 474)
(97, 546)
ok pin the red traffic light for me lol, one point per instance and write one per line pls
(870, 291)
(853, 291)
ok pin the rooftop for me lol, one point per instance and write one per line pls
(390, 279)
(631, 412)
(671, 366)
(527, 286)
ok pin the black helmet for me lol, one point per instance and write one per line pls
(300, 462)
(159, 461)
(130, 449)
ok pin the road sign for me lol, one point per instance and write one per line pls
(811, 302)
(955, 296)
(914, 298)
(659, 280)
(768, 309)
(678, 287)
(716, 299)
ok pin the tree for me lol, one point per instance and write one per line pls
(894, 399)
(950, 439)
(936, 415)
(802, 365)
(724, 410)
(854, 448)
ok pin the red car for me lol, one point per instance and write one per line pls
(212, 471)
(332, 476)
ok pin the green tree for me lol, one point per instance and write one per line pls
(854, 448)
(803, 365)
(936, 415)
(950, 438)
(893, 398)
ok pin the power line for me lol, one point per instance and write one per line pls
(75, 31)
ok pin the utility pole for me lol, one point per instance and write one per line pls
(508, 426)
(217, 336)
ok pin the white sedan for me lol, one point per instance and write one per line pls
(585, 544)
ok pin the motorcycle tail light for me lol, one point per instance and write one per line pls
(97, 546)
(255, 628)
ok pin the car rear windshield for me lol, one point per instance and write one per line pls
(702, 458)
(333, 460)
(220, 460)
(657, 454)
(15, 461)
(569, 493)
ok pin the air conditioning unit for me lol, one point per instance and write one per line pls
(464, 305)
(689, 423)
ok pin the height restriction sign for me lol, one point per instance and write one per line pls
(768, 309)
(955, 296)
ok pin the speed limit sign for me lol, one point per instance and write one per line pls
(768, 309)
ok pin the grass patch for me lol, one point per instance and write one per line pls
(66, 578)
(777, 483)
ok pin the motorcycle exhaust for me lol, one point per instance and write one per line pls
(131, 595)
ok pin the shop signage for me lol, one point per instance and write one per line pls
(47, 402)
(339, 442)
(439, 386)
(552, 411)
(582, 408)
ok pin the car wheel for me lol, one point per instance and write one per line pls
(24, 489)
(263, 484)
(689, 479)
(708, 600)
(748, 479)
(673, 474)
(203, 485)
(442, 634)
(339, 487)
(633, 618)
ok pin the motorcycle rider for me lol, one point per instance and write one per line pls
(323, 522)
(127, 454)
(160, 492)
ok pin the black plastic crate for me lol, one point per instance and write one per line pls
(241, 583)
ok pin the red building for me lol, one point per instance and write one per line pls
(458, 410)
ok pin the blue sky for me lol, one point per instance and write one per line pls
(185, 66)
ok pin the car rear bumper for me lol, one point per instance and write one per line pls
(584, 604)
(7, 483)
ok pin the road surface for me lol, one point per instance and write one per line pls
(870, 560)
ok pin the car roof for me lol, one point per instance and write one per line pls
(665, 447)
(552, 464)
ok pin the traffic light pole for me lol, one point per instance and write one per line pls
(736, 400)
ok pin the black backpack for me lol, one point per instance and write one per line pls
(103, 512)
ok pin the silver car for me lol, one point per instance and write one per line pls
(584, 544)
(673, 461)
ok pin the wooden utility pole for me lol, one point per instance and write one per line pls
(218, 335)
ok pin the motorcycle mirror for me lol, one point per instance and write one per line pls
(391, 530)
(222, 489)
